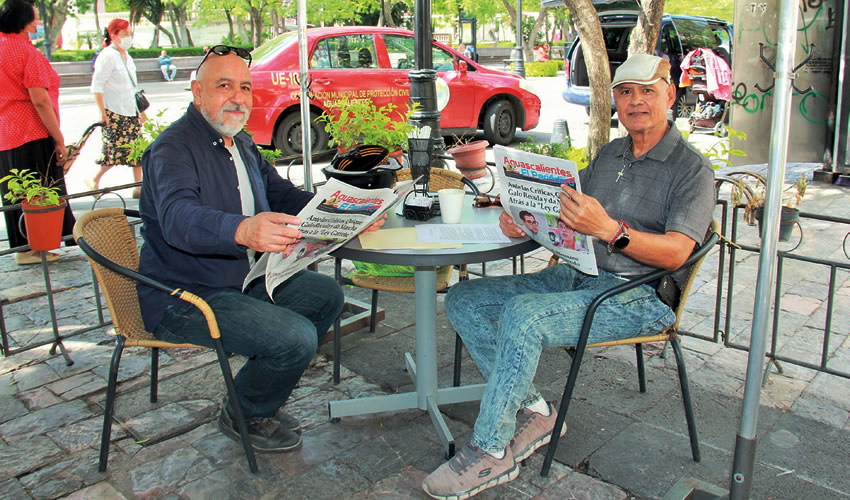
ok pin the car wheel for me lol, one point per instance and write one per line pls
(681, 109)
(287, 135)
(500, 123)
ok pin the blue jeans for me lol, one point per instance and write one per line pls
(279, 338)
(506, 322)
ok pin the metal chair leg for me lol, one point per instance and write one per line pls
(109, 408)
(458, 354)
(237, 406)
(154, 373)
(374, 311)
(337, 324)
(564, 406)
(640, 367)
(686, 398)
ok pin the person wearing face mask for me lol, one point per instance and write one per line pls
(114, 87)
(30, 137)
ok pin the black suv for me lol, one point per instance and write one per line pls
(678, 36)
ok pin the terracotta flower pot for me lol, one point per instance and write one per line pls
(44, 225)
(471, 159)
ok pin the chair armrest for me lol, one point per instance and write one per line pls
(471, 185)
(152, 283)
(698, 254)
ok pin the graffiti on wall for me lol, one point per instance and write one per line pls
(756, 25)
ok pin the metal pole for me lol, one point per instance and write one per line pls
(304, 82)
(745, 442)
(516, 55)
(423, 89)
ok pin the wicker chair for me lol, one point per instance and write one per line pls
(439, 179)
(108, 240)
(671, 335)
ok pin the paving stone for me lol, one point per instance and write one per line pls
(66, 384)
(820, 411)
(404, 484)
(582, 487)
(337, 477)
(830, 389)
(63, 477)
(46, 420)
(84, 434)
(12, 490)
(23, 456)
(171, 420)
(781, 392)
(11, 407)
(99, 490)
(229, 482)
(38, 398)
(168, 473)
(37, 375)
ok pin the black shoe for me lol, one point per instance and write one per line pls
(285, 419)
(266, 434)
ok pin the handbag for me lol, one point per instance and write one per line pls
(142, 102)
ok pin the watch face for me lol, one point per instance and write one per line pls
(622, 242)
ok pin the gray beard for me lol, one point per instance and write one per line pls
(221, 128)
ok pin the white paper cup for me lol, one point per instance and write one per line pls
(451, 205)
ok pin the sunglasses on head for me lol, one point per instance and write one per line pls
(484, 200)
(223, 50)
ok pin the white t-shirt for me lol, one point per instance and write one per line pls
(111, 79)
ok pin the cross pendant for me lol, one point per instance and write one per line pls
(620, 174)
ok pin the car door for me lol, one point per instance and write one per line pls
(346, 67)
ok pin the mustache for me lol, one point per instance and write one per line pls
(235, 107)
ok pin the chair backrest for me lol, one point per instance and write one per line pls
(441, 178)
(109, 233)
(685, 289)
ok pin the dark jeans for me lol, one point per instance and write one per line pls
(278, 337)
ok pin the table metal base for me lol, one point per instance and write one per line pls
(410, 400)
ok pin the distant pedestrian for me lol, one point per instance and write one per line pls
(165, 66)
(114, 86)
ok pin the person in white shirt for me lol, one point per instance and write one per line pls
(114, 87)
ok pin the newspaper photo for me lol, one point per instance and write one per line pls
(337, 213)
(531, 184)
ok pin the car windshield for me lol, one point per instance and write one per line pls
(696, 34)
(273, 47)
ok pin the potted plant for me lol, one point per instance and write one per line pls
(752, 198)
(358, 121)
(43, 208)
(470, 157)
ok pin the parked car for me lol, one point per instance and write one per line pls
(678, 36)
(373, 63)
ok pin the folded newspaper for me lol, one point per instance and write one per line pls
(337, 213)
(531, 184)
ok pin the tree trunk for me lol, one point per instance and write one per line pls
(598, 71)
(230, 33)
(96, 18)
(529, 44)
(172, 16)
(386, 13)
(159, 27)
(256, 26)
(243, 34)
(645, 34)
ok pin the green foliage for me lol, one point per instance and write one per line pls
(719, 153)
(28, 185)
(270, 155)
(359, 121)
(723, 9)
(577, 155)
(151, 129)
(116, 6)
(87, 55)
(548, 68)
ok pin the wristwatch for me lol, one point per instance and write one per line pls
(621, 238)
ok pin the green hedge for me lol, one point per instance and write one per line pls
(87, 55)
(548, 68)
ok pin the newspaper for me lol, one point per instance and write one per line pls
(530, 186)
(337, 213)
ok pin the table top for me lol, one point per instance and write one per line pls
(467, 254)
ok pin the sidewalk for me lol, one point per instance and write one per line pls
(620, 443)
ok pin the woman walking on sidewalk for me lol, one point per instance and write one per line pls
(30, 137)
(114, 87)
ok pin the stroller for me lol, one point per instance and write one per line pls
(711, 113)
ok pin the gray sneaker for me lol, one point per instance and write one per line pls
(533, 430)
(470, 472)
(266, 434)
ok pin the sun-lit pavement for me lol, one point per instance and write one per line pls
(620, 443)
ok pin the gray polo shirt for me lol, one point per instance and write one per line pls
(670, 188)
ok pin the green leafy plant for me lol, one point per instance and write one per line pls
(752, 195)
(548, 68)
(577, 155)
(270, 155)
(359, 121)
(151, 129)
(719, 153)
(28, 185)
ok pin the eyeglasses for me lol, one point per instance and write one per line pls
(223, 50)
(484, 200)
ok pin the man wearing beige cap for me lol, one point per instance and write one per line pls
(648, 200)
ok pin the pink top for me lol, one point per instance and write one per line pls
(23, 67)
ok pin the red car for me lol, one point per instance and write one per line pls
(366, 61)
